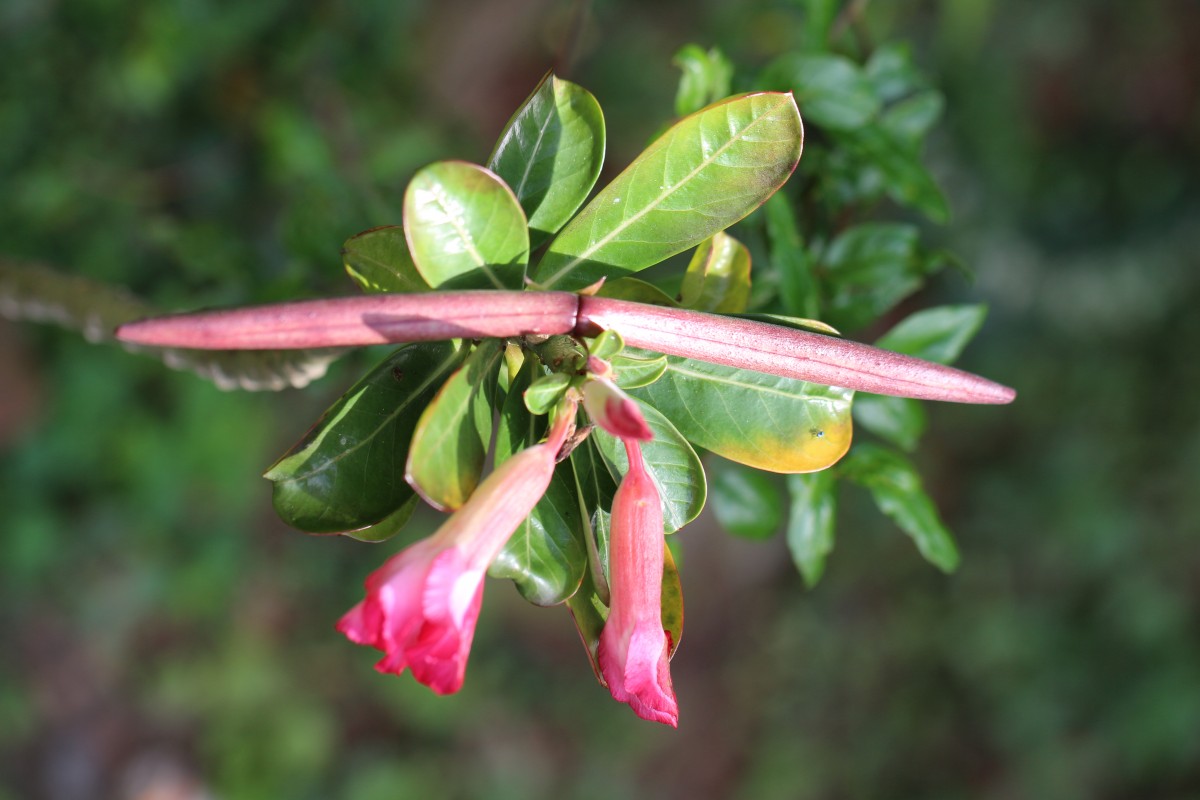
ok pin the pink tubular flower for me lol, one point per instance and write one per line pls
(633, 650)
(614, 411)
(421, 606)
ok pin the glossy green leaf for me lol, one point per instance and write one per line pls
(514, 359)
(630, 372)
(517, 428)
(671, 602)
(811, 521)
(899, 420)
(718, 277)
(672, 464)
(595, 486)
(550, 153)
(389, 526)
(705, 173)
(378, 260)
(348, 471)
(606, 345)
(637, 291)
(797, 287)
(706, 77)
(831, 90)
(869, 268)
(745, 501)
(545, 557)
(465, 228)
(935, 334)
(762, 421)
(896, 487)
(589, 613)
(545, 392)
(452, 437)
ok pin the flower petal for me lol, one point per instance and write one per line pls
(639, 674)
(633, 652)
(422, 604)
(614, 411)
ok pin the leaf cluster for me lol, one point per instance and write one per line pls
(834, 254)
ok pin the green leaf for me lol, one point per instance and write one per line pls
(672, 464)
(545, 557)
(762, 421)
(465, 228)
(706, 78)
(811, 522)
(452, 437)
(378, 260)
(894, 483)
(389, 526)
(718, 277)
(671, 602)
(891, 71)
(589, 613)
(869, 269)
(347, 472)
(637, 291)
(746, 502)
(910, 120)
(705, 173)
(551, 153)
(514, 359)
(596, 487)
(630, 372)
(935, 334)
(545, 392)
(900, 420)
(819, 18)
(832, 91)
(607, 345)
(796, 323)
(898, 169)
(797, 287)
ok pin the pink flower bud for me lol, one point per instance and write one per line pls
(614, 411)
(633, 651)
(422, 605)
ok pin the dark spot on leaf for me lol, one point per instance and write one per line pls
(816, 433)
(398, 374)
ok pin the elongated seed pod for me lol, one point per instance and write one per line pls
(352, 321)
(777, 350)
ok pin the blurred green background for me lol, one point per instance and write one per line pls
(163, 636)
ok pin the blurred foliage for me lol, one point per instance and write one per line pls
(162, 632)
